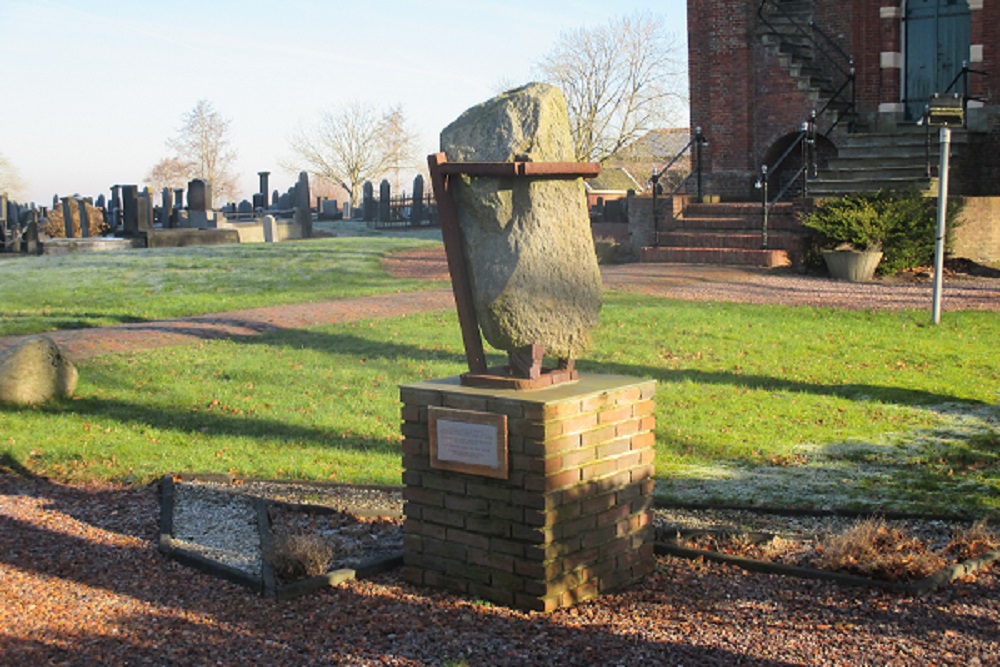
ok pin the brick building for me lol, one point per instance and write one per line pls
(760, 68)
(821, 98)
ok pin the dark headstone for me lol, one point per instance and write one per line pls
(84, 218)
(275, 197)
(145, 220)
(284, 202)
(166, 208)
(263, 183)
(417, 211)
(384, 195)
(101, 202)
(303, 210)
(199, 195)
(130, 208)
(67, 211)
(244, 207)
(178, 197)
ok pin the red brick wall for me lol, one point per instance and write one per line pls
(573, 519)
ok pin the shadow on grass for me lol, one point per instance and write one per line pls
(853, 392)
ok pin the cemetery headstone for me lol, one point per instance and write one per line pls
(269, 225)
(199, 194)
(130, 209)
(244, 207)
(166, 208)
(35, 371)
(384, 195)
(303, 212)
(417, 210)
(84, 218)
(67, 211)
(32, 246)
(368, 201)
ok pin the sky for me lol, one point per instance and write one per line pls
(90, 90)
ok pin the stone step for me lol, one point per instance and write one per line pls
(782, 222)
(745, 240)
(733, 210)
(826, 187)
(875, 170)
(725, 256)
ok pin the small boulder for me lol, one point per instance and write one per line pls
(35, 371)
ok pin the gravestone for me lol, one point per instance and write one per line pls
(32, 246)
(269, 225)
(179, 197)
(145, 220)
(348, 213)
(534, 273)
(284, 202)
(67, 211)
(130, 209)
(417, 211)
(303, 203)
(84, 218)
(166, 208)
(245, 207)
(199, 194)
(384, 196)
(368, 201)
(115, 205)
(275, 199)
(263, 186)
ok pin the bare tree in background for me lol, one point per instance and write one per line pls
(170, 172)
(620, 80)
(10, 180)
(202, 149)
(354, 144)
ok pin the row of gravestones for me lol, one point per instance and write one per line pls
(18, 227)
(416, 208)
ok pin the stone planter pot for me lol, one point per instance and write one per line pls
(856, 266)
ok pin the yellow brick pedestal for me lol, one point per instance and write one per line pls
(573, 518)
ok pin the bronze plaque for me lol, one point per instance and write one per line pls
(469, 442)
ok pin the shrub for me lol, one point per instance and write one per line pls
(902, 224)
(298, 555)
(874, 549)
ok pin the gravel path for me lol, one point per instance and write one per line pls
(81, 582)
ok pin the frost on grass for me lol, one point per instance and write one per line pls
(947, 468)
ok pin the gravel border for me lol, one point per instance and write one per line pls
(83, 584)
(223, 520)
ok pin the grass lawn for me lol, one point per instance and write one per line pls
(101, 289)
(756, 404)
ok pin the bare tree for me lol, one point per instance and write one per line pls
(620, 81)
(170, 172)
(10, 180)
(354, 144)
(204, 146)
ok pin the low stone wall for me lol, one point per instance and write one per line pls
(977, 236)
(572, 518)
(252, 231)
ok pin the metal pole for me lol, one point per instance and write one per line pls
(656, 223)
(763, 185)
(700, 140)
(942, 215)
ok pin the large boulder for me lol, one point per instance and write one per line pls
(528, 245)
(35, 371)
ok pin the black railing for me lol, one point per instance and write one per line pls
(698, 142)
(805, 143)
(963, 76)
(837, 64)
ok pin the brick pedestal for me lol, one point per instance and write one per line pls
(573, 518)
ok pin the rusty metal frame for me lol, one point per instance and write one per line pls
(441, 172)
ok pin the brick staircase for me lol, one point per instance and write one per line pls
(728, 234)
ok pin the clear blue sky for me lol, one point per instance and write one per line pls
(91, 89)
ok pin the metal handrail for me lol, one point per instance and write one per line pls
(698, 141)
(805, 141)
(833, 54)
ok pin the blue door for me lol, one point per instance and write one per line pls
(937, 34)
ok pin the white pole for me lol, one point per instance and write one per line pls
(942, 215)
